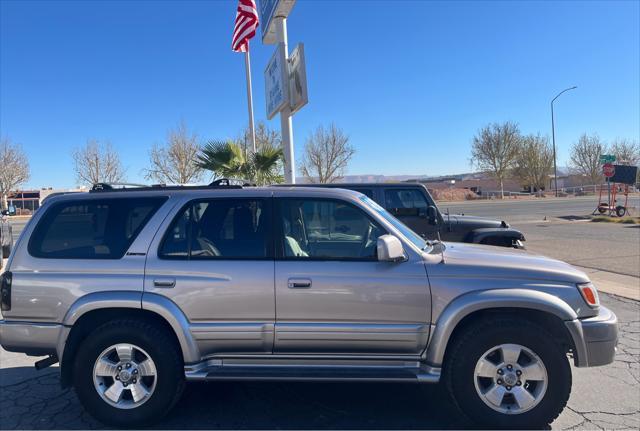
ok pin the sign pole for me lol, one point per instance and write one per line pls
(252, 132)
(609, 195)
(286, 124)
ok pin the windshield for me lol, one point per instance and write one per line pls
(416, 239)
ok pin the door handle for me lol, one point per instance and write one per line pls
(299, 283)
(164, 282)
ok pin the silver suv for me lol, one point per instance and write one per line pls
(135, 292)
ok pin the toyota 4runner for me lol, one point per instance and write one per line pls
(137, 291)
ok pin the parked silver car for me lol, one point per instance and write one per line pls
(135, 292)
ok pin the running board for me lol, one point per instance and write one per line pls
(218, 372)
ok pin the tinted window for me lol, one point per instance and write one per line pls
(91, 229)
(327, 229)
(367, 192)
(219, 229)
(404, 198)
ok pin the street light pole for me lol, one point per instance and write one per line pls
(553, 138)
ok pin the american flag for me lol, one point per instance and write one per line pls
(246, 24)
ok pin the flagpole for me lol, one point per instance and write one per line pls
(252, 132)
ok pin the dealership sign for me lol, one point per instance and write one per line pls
(269, 9)
(298, 96)
(276, 82)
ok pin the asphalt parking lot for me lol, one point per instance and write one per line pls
(602, 398)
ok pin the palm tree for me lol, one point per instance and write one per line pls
(227, 159)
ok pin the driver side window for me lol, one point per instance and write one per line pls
(323, 229)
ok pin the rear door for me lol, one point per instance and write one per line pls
(332, 294)
(76, 247)
(214, 260)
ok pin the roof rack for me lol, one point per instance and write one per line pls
(101, 187)
(231, 182)
(222, 183)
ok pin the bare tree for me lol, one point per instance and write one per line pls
(175, 162)
(585, 156)
(14, 169)
(97, 162)
(626, 151)
(495, 150)
(535, 161)
(265, 137)
(327, 154)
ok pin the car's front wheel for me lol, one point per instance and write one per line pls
(128, 373)
(508, 373)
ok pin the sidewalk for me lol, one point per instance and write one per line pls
(622, 285)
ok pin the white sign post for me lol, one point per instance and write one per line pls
(273, 15)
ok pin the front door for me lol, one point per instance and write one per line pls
(215, 263)
(332, 295)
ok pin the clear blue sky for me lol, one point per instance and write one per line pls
(410, 82)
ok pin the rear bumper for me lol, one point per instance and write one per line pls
(32, 338)
(595, 338)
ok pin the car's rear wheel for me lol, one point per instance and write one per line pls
(128, 373)
(508, 373)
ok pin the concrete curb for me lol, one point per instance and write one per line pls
(626, 286)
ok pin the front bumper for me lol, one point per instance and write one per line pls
(32, 338)
(595, 338)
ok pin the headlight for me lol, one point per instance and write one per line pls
(589, 293)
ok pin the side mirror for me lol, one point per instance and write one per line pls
(432, 215)
(390, 249)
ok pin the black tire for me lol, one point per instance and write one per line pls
(470, 345)
(602, 208)
(160, 346)
(621, 211)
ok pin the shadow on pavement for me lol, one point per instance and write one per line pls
(36, 402)
(243, 405)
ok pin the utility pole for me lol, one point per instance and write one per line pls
(553, 138)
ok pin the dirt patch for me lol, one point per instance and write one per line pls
(453, 194)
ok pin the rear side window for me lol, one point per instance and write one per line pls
(92, 229)
(404, 202)
(219, 229)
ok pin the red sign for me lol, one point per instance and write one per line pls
(608, 170)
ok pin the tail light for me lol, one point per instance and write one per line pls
(589, 293)
(5, 291)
